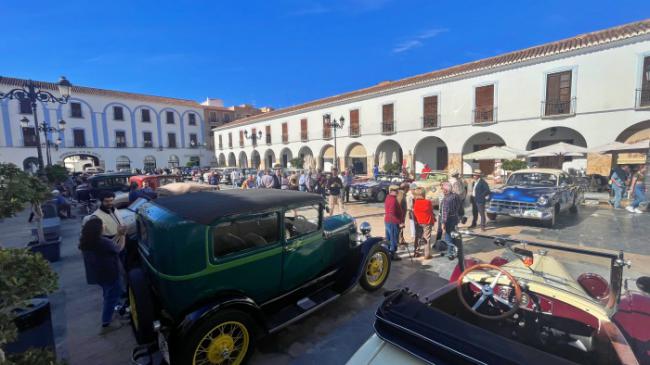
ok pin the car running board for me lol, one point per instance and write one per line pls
(302, 308)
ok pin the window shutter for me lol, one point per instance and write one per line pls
(303, 129)
(552, 88)
(485, 97)
(430, 107)
(354, 118)
(387, 113)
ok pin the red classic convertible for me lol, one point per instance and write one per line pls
(521, 308)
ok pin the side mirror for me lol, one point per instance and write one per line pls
(643, 283)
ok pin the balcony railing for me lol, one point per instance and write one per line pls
(431, 122)
(304, 136)
(557, 108)
(643, 98)
(327, 133)
(388, 127)
(30, 141)
(285, 138)
(147, 144)
(220, 146)
(485, 115)
(355, 131)
(120, 144)
(268, 139)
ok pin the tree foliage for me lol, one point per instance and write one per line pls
(18, 188)
(297, 162)
(393, 168)
(56, 174)
(514, 165)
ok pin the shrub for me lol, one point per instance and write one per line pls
(514, 165)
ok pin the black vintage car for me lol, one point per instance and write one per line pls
(375, 190)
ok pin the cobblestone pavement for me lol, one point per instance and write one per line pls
(331, 335)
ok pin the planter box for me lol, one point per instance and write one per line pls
(51, 250)
(34, 322)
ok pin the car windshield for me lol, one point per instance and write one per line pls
(533, 179)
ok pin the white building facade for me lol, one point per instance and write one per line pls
(588, 90)
(109, 129)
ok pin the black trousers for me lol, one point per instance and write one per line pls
(346, 194)
(474, 210)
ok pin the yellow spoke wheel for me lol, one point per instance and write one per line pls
(377, 268)
(226, 343)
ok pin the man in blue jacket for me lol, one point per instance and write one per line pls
(479, 191)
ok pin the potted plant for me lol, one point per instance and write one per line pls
(25, 320)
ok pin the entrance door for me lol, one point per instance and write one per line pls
(443, 158)
(303, 256)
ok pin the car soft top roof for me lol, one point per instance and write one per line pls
(206, 207)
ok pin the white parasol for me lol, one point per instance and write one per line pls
(496, 153)
(559, 149)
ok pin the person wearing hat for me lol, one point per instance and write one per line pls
(478, 193)
(62, 205)
(393, 220)
(458, 188)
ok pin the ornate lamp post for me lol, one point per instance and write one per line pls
(334, 124)
(33, 94)
(45, 128)
(253, 136)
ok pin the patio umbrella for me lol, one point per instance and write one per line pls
(496, 153)
(558, 149)
(607, 147)
(640, 146)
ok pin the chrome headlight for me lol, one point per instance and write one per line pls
(365, 228)
(542, 200)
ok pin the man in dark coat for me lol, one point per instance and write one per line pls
(478, 197)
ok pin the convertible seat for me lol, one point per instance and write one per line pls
(440, 338)
(228, 243)
(254, 239)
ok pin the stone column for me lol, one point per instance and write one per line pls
(263, 163)
(599, 163)
(455, 162)
(370, 164)
(409, 162)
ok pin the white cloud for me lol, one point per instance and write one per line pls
(418, 40)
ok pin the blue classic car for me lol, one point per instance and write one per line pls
(539, 194)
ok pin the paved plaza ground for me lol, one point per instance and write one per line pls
(333, 334)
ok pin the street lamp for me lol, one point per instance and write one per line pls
(253, 136)
(31, 93)
(334, 124)
(46, 129)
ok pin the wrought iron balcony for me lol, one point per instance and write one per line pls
(285, 138)
(268, 139)
(327, 133)
(557, 108)
(220, 146)
(431, 122)
(485, 116)
(388, 127)
(147, 144)
(643, 98)
(355, 130)
(304, 136)
(120, 144)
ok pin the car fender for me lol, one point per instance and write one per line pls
(232, 300)
(366, 245)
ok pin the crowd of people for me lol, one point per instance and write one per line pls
(625, 182)
(408, 203)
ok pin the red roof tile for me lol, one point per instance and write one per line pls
(562, 46)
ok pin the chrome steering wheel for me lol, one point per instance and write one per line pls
(486, 291)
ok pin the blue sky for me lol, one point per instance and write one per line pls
(277, 53)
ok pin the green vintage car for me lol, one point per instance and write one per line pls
(219, 269)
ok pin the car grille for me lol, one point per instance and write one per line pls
(509, 204)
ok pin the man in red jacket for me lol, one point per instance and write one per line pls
(393, 220)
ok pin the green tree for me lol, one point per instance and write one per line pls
(56, 174)
(514, 165)
(23, 274)
(297, 162)
(393, 168)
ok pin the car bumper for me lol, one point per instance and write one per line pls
(361, 195)
(540, 214)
